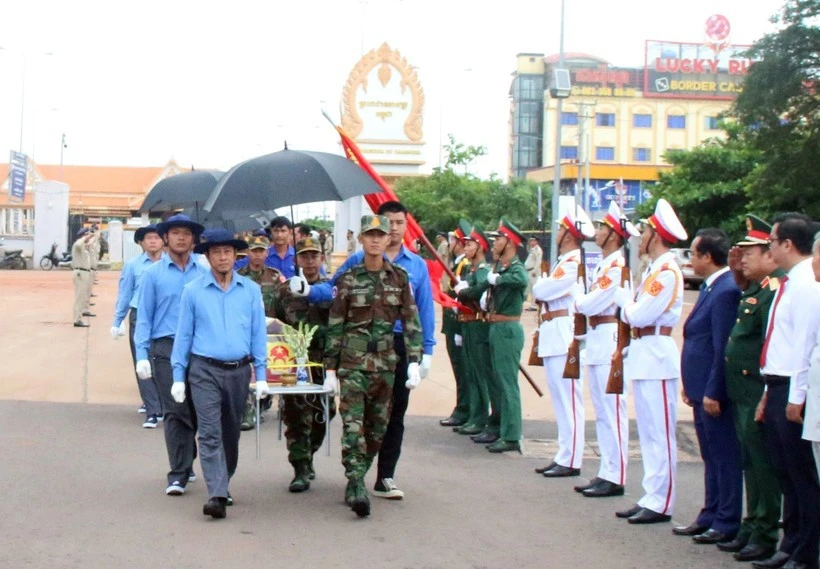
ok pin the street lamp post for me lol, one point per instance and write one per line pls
(556, 178)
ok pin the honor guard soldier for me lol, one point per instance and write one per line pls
(482, 386)
(555, 295)
(369, 299)
(221, 333)
(452, 330)
(157, 319)
(303, 417)
(611, 418)
(653, 363)
(759, 276)
(81, 267)
(504, 301)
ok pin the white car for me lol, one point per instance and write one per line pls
(683, 258)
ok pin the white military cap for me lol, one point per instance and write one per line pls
(577, 222)
(666, 222)
(613, 219)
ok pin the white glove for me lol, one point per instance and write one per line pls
(460, 285)
(144, 369)
(413, 376)
(454, 309)
(178, 391)
(458, 340)
(427, 361)
(581, 337)
(331, 383)
(483, 301)
(625, 351)
(262, 389)
(299, 285)
(623, 296)
(122, 328)
(492, 278)
(115, 332)
(578, 289)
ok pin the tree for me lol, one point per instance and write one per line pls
(779, 107)
(318, 223)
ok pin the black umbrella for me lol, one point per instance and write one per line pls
(181, 190)
(234, 224)
(287, 178)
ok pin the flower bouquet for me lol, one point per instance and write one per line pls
(299, 340)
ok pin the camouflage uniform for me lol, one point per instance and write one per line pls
(303, 416)
(359, 346)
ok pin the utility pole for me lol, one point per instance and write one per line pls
(556, 178)
(63, 146)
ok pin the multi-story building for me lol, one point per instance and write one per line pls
(618, 123)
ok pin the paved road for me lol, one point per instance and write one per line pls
(82, 483)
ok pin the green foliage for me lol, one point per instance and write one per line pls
(318, 223)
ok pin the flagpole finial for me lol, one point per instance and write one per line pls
(286, 144)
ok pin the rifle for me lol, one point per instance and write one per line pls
(534, 360)
(572, 369)
(615, 382)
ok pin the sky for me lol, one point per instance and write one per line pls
(209, 84)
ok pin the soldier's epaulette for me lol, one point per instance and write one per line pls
(774, 283)
(619, 262)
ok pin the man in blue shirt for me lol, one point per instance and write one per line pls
(130, 277)
(221, 331)
(157, 318)
(416, 268)
(281, 255)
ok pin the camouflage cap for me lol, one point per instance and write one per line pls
(258, 242)
(375, 223)
(308, 244)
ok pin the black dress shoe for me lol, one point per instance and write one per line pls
(80, 324)
(691, 530)
(797, 565)
(451, 422)
(604, 489)
(559, 471)
(581, 487)
(215, 508)
(647, 516)
(779, 559)
(543, 469)
(753, 552)
(735, 545)
(484, 438)
(623, 514)
(711, 537)
(88, 314)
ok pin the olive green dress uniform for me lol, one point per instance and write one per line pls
(745, 388)
(303, 415)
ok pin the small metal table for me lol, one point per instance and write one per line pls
(308, 389)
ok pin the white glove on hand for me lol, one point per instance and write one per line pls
(581, 337)
(122, 328)
(413, 376)
(262, 389)
(178, 391)
(427, 361)
(331, 383)
(483, 301)
(458, 340)
(460, 285)
(492, 278)
(144, 369)
(623, 296)
(115, 332)
(299, 285)
(578, 289)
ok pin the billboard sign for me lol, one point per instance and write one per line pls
(606, 81)
(18, 170)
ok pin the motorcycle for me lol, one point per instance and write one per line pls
(12, 260)
(48, 262)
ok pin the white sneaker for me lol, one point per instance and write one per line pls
(387, 489)
(175, 489)
(141, 410)
(150, 422)
(192, 476)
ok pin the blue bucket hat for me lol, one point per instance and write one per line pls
(82, 231)
(180, 220)
(140, 233)
(219, 236)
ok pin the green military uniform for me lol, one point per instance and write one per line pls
(451, 327)
(359, 346)
(303, 416)
(745, 388)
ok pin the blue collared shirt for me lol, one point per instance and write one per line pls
(160, 292)
(129, 289)
(274, 261)
(419, 279)
(226, 325)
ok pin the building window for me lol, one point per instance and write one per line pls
(641, 154)
(676, 121)
(712, 123)
(17, 221)
(569, 153)
(604, 153)
(642, 121)
(605, 119)
(530, 87)
(569, 119)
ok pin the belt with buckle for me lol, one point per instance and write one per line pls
(596, 321)
(638, 333)
(79, 269)
(550, 314)
(502, 318)
(368, 346)
(775, 379)
(470, 317)
(236, 364)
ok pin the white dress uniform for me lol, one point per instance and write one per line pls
(556, 294)
(811, 421)
(652, 364)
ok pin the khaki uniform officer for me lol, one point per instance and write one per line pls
(81, 266)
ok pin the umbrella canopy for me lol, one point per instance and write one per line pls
(234, 224)
(284, 178)
(181, 190)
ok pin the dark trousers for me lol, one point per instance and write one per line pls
(794, 463)
(391, 444)
(147, 387)
(180, 418)
(457, 356)
(723, 475)
(219, 399)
